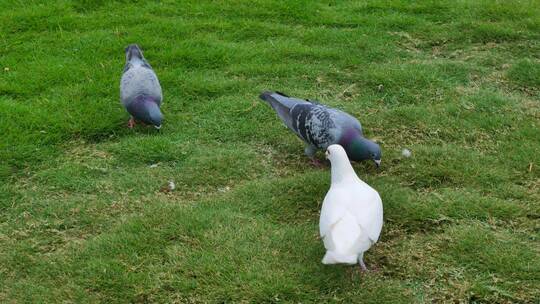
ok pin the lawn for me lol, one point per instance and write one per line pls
(82, 216)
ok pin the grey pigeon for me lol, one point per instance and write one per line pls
(140, 91)
(320, 126)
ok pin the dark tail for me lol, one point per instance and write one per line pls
(281, 103)
(133, 51)
(269, 96)
(266, 96)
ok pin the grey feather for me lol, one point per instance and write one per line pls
(282, 104)
(139, 84)
(316, 124)
(320, 126)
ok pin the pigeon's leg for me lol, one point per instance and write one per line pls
(317, 163)
(361, 262)
(131, 122)
(310, 151)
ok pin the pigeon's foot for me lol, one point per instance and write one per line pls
(317, 163)
(374, 268)
(131, 123)
(363, 267)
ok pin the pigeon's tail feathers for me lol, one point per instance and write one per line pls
(146, 109)
(280, 98)
(268, 94)
(344, 239)
(334, 257)
(281, 103)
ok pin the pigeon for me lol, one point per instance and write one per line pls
(320, 126)
(140, 91)
(351, 215)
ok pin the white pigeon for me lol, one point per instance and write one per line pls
(352, 213)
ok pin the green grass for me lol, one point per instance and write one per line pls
(82, 217)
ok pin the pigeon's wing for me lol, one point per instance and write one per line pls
(341, 118)
(314, 123)
(313, 101)
(368, 210)
(139, 81)
(126, 67)
(156, 86)
(332, 211)
(283, 104)
(345, 120)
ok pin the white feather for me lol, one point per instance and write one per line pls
(351, 215)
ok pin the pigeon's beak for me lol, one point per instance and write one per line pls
(377, 162)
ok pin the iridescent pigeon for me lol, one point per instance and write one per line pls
(320, 126)
(140, 91)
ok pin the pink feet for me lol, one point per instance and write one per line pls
(131, 123)
(317, 163)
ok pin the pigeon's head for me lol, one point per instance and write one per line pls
(146, 110)
(336, 153)
(341, 168)
(364, 149)
(154, 115)
(134, 52)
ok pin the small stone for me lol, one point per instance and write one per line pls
(153, 165)
(225, 189)
(6, 69)
(406, 153)
(168, 187)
